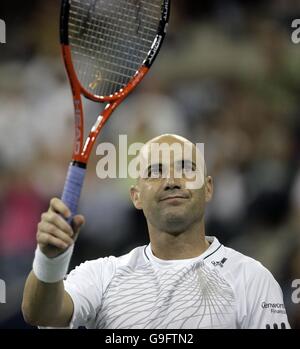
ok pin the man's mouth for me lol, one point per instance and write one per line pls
(174, 197)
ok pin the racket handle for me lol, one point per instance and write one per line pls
(72, 187)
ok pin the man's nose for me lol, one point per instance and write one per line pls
(172, 183)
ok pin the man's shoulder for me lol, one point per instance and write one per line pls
(109, 265)
(134, 258)
(131, 258)
(239, 263)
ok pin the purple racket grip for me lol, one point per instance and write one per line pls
(72, 188)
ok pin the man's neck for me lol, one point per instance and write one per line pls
(188, 244)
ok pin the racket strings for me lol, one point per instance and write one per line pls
(110, 39)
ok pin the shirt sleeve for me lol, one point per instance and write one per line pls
(86, 285)
(264, 301)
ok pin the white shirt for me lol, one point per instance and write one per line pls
(221, 288)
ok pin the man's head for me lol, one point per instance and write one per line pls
(173, 188)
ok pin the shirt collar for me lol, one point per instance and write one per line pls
(214, 246)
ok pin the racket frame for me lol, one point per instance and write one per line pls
(82, 149)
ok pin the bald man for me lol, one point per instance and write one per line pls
(182, 279)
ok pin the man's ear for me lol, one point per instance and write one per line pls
(209, 188)
(135, 197)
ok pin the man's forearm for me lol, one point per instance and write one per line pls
(44, 303)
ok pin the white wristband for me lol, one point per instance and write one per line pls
(51, 270)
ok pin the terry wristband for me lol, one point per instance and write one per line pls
(51, 270)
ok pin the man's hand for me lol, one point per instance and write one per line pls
(54, 234)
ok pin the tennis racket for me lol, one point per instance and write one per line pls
(108, 47)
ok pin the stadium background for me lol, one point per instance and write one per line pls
(228, 76)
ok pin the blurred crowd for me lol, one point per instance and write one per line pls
(228, 76)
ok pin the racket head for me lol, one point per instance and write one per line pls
(109, 45)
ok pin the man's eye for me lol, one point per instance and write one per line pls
(155, 171)
(188, 166)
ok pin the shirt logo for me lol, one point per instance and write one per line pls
(219, 263)
(276, 326)
(274, 307)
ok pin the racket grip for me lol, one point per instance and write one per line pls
(72, 188)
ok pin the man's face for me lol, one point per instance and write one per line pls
(165, 191)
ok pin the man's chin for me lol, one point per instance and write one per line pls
(174, 223)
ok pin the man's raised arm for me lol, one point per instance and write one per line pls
(45, 301)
